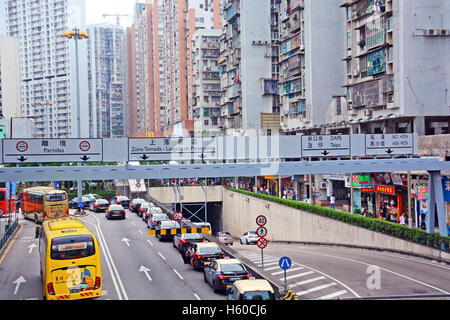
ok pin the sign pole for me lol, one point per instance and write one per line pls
(285, 281)
(262, 258)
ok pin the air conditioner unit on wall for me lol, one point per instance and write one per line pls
(368, 112)
(444, 32)
(323, 185)
(431, 32)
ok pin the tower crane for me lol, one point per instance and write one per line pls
(117, 15)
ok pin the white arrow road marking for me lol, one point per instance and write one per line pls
(146, 271)
(127, 241)
(31, 246)
(18, 282)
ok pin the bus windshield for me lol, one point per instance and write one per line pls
(72, 247)
(55, 197)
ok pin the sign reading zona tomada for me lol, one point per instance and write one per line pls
(156, 149)
(52, 150)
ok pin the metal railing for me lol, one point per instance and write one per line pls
(8, 233)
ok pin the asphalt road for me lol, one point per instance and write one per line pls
(136, 266)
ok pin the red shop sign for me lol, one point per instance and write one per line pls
(366, 190)
(385, 189)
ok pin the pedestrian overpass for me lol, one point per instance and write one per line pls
(251, 156)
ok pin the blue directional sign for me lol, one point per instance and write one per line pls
(80, 205)
(285, 263)
(58, 185)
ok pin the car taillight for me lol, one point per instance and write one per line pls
(222, 256)
(118, 201)
(50, 289)
(123, 211)
(222, 277)
(97, 283)
(95, 205)
(198, 256)
(247, 276)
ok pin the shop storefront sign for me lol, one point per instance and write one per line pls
(361, 181)
(385, 189)
(367, 190)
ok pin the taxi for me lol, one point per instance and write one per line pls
(202, 254)
(251, 289)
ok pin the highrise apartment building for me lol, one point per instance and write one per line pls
(247, 73)
(397, 72)
(183, 19)
(311, 67)
(147, 54)
(160, 63)
(10, 103)
(107, 81)
(205, 94)
(49, 83)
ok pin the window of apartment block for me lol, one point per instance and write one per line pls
(349, 39)
(338, 106)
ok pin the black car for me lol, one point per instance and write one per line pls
(115, 211)
(73, 204)
(122, 200)
(135, 204)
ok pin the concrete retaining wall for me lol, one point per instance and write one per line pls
(293, 225)
(191, 194)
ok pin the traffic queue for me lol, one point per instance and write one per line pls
(224, 274)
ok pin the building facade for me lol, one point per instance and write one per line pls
(245, 65)
(49, 83)
(107, 81)
(397, 56)
(10, 98)
(205, 94)
(311, 67)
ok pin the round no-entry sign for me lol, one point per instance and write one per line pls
(261, 220)
(177, 216)
(262, 243)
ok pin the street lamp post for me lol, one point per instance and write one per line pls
(77, 35)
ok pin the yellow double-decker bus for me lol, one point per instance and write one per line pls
(39, 203)
(69, 259)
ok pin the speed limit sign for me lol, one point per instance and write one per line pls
(261, 220)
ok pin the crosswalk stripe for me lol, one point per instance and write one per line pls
(333, 295)
(316, 288)
(265, 260)
(272, 268)
(288, 270)
(305, 282)
(268, 264)
(297, 275)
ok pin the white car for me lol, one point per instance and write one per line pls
(249, 237)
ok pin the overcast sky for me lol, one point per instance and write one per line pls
(96, 8)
